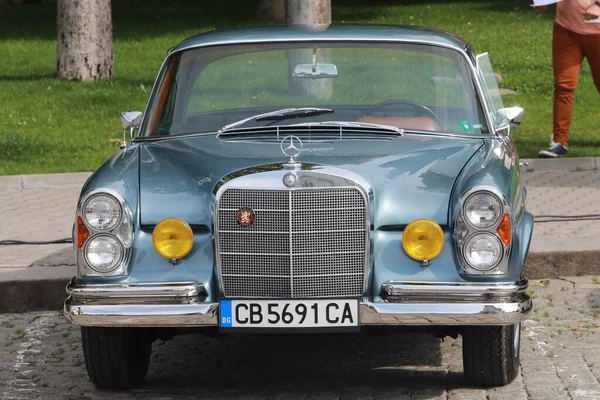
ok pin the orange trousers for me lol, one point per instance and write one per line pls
(568, 51)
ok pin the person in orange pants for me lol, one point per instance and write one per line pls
(573, 39)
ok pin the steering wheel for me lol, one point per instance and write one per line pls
(422, 109)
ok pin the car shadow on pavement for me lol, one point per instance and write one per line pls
(257, 364)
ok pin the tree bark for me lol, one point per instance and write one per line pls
(84, 49)
(310, 14)
(271, 10)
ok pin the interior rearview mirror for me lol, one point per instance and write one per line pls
(315, 70)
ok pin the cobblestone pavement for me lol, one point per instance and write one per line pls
(41, 359)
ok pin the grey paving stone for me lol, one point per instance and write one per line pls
(564, 164)
(44, 181)
(11, 182)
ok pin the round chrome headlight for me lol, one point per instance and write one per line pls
(482, 210)
(483, 251)
(102, 212)
(103, 253)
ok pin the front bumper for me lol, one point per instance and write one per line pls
(182, 304)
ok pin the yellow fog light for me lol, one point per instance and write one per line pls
(423, 239)
(173, 238)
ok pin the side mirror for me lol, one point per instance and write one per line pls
(513, 114)
(131, 121)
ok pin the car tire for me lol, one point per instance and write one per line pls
(491, 354)
(116, 358)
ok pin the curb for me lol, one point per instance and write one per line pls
(34, 288)
(44, 181)
(575, 164)
(32, 295)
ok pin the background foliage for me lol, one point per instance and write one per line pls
(48, 125)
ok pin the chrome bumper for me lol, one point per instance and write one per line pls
(405, 303)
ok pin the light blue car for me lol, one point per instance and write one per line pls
(300, 179)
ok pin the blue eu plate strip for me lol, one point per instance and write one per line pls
(225, 312)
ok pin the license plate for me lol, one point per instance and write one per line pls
(288, 313)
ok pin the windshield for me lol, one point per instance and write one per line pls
(409, 86)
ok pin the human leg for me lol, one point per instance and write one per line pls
(567, 56)
(591, 50)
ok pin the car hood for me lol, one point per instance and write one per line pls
(411, 176)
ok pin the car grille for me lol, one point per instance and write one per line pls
(303, 243)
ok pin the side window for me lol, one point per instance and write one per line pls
(488, 82)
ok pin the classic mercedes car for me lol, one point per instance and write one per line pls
(300, 179)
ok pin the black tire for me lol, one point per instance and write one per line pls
(116, 358)
(491, 354)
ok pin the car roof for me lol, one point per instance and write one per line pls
(342, 32)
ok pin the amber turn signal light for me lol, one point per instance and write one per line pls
(82, 233)
(504, 230)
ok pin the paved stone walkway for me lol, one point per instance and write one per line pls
(568, 194)
(35, 215)
(41, 359)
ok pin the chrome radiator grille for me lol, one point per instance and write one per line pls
(303, 243)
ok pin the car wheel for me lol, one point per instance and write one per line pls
(116, 358)
(491, 354)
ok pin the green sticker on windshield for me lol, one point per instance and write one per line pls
(466, 125)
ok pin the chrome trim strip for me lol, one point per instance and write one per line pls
(295, 276)
(120, 290)
(395, 288)
(297, 254)
(279, 232)
(400, 314)
(482, 136)
(331, 39)
(299, 209)
(147, 315)
(149, 103)
(291, 234)
(491, 313)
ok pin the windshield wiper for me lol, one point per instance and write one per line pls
(279, 115)
(353, 124)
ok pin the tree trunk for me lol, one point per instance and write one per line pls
(311, 14)
(308, 12)
(84, 49)
(271, 10)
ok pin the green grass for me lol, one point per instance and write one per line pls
(49, 126)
